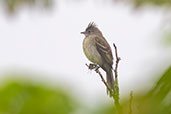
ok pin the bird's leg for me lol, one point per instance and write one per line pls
(92, 66)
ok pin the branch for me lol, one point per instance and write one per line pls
(116, 86)
(93, 66)
(117, 61)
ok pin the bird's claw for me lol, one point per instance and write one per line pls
(92, 66)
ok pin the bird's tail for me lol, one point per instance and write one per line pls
(110, 80)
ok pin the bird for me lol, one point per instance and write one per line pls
(98, 51)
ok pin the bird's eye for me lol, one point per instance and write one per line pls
(89, 31)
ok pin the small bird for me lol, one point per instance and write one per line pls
(98, 51)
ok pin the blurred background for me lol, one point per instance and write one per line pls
(42, 64)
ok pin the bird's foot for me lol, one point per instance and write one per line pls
(92, 66)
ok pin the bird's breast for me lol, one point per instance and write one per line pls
(89, 48)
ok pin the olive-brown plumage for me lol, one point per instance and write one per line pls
(98, 51)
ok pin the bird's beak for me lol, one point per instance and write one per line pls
(83, 32)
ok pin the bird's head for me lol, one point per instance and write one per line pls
(91, 30)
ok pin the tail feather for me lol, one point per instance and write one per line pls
(109, 78)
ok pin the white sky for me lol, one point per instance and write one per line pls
(51, 44)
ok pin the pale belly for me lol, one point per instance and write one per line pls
(91, 52)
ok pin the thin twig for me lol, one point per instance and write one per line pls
(116, 86)
(101, 76)
(117, 61)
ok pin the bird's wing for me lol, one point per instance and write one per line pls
(104, 50)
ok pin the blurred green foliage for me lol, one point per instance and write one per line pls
(30, 97)
(167, 38)
(23, 97)
(152, 2)
(156, 101)
(13, 6)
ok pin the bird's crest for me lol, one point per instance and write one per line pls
(91, 25)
